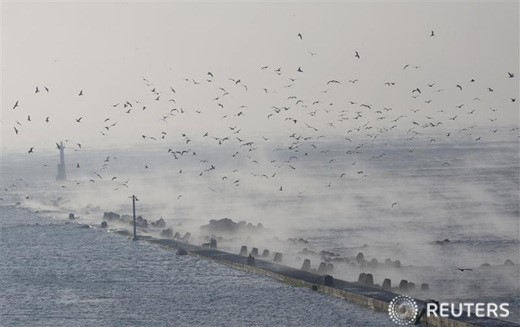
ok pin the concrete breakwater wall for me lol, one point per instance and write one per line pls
(371, 297)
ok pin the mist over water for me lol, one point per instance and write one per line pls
(473, 202)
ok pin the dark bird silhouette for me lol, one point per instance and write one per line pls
(432, 34)
(393, 204)
(80, 93)
(37, 90)
(210, 74)
(300, 36)
(47, 119)
(300, 70)
(511, 75)
(79, 119)
(31, 150)
(46, 88)
(15, 130)
(15, 104)
(460, 87)
(357, 54)
(464, 269)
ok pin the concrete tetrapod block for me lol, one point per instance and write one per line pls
(243, 251)
(306, 265)
(387, 284)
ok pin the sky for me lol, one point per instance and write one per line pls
(108, 49)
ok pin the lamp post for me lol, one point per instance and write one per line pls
(134, 198)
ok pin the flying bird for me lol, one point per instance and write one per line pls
(15, 104)
(356, 55)
(80, 93)
(300, 36)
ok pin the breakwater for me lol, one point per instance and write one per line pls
(371, 297)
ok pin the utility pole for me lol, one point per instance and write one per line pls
(133, 208)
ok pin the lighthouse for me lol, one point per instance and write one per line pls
(62, 174)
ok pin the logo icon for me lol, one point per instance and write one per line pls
(403, 310)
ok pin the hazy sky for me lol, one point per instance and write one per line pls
(105, 49)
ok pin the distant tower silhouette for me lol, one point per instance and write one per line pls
(62, 174)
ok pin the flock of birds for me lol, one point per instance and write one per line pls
(354, 124)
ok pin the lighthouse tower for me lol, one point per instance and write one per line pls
(62, 174)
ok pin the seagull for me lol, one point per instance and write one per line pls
(15, 104)
(300, 70)
(80, 93)
(79, 119)
(393, 204)
(300, 36)
(433, 34)
(37, 90)
(511, 75)
(356, 55)
(464, 269)
(333, 81)
(31, 150)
